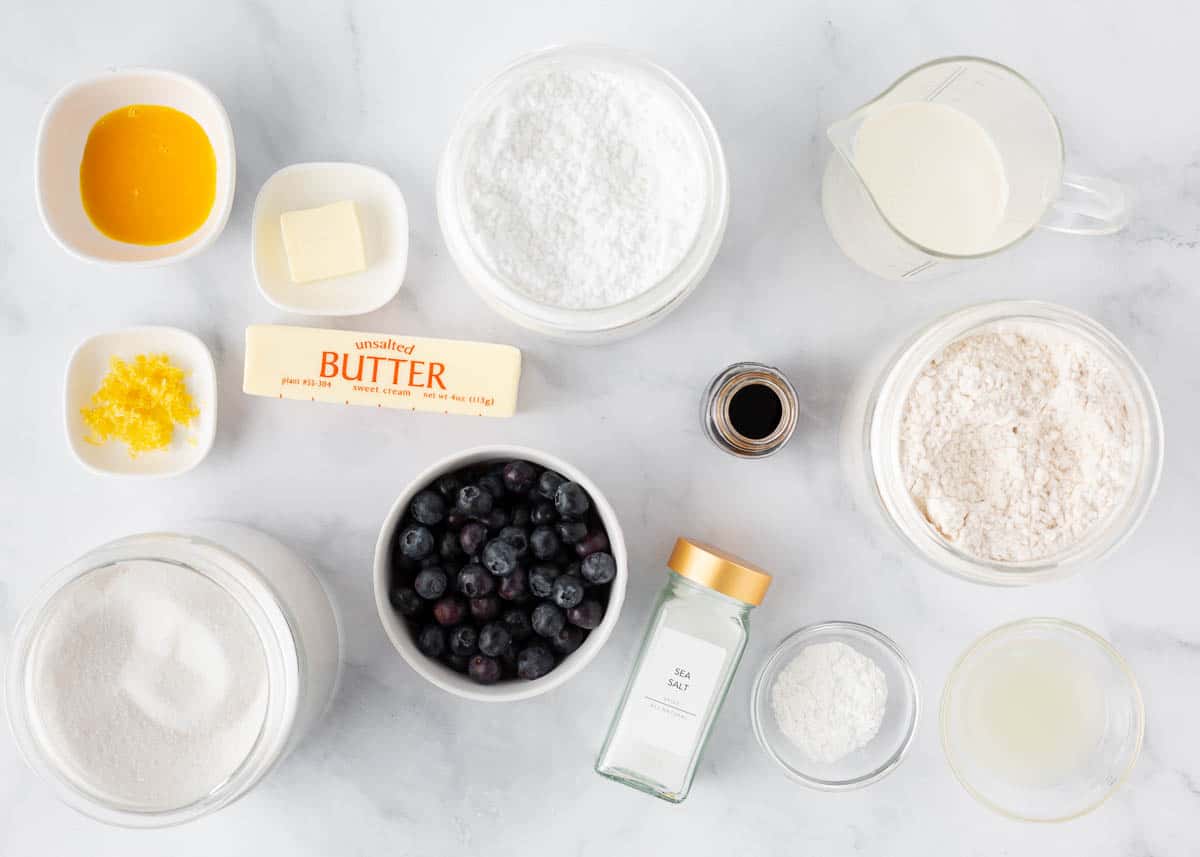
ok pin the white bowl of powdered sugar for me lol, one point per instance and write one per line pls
(583, 193)
(1011, 442)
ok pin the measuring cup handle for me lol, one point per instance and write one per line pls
(1089, 206)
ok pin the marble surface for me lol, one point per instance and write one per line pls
(400, 767)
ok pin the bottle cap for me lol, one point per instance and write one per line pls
(723, 572)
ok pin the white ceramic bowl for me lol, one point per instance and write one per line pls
(61, 137)
(86, 370)
(384, 218)
(603, 324)
(508, 690)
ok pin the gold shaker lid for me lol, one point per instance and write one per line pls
(723, 572)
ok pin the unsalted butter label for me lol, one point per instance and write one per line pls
(381, 370)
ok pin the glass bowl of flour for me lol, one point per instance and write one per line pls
(836, 706)
(583, 193)
(1007, 443)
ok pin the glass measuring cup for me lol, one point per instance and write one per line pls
(1027, 141)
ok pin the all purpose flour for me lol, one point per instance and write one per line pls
(1016, 443)
(584, 188)
(149, 682)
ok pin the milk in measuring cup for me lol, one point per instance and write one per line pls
(935, 174)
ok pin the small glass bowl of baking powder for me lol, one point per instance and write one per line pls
(873, 760)
(564, 318)
(874, 417)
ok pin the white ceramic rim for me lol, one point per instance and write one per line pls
(575, 325)
(441, 675)
(894, 381)
(280, 651)
(1059, 625)
(325, 165)
(214, 227)
(806, 636)
(209, 367)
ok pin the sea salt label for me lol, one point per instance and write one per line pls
(673, 690)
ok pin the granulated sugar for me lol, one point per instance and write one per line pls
(148, 683)
(584, 188)
(1017, 443)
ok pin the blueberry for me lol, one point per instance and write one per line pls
(416, 542)
(458, 663)
(597, 540)
(497, 519)
(448, 546)
(516, 537)
(492, 484)
(472, 537)
(534, 661)
(475, 582)
(541, 579)
(544, 542)
(405, 600)
(570, 532)
(494, 639)
(455, 519)
(515, 587)
(547, 620)
(463, 639)
(432, 641)
(431, 583)
(508, 658)
(520, 516)
(568, 639)
(519, 476)
(598, 568)
(500, 557)
(543, 513)
(571, 500)
(586, 615)
(567, 592)
(483, 670)
(516, 622)
(428, 507)
(484, 609)
(449, 610)
(449, 486)
(548, 483)
(473, 501)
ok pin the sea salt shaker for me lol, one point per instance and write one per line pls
(687, 661)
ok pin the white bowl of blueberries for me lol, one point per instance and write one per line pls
(500, 572)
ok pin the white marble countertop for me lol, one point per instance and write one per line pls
(399, 767)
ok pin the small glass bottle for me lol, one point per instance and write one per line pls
(750, 410)
(686, 663)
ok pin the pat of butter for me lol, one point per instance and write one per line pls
(323, 242)
(447, 376)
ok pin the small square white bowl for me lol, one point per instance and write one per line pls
(85, 372)
(384, 218)
(61, 138)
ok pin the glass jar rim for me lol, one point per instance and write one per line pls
(235, 576)
(882, 440)
(650, 305)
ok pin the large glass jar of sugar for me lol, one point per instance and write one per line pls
(683, 671)
(159, 677)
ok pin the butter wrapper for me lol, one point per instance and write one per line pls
(381, 370)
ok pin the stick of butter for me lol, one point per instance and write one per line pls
(379, 370)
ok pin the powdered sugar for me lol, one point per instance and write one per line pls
(829, 700)
(583, 187)
(1016, 443)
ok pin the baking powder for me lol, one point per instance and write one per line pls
(584, 188)
(829, 700)
(1016, 443)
